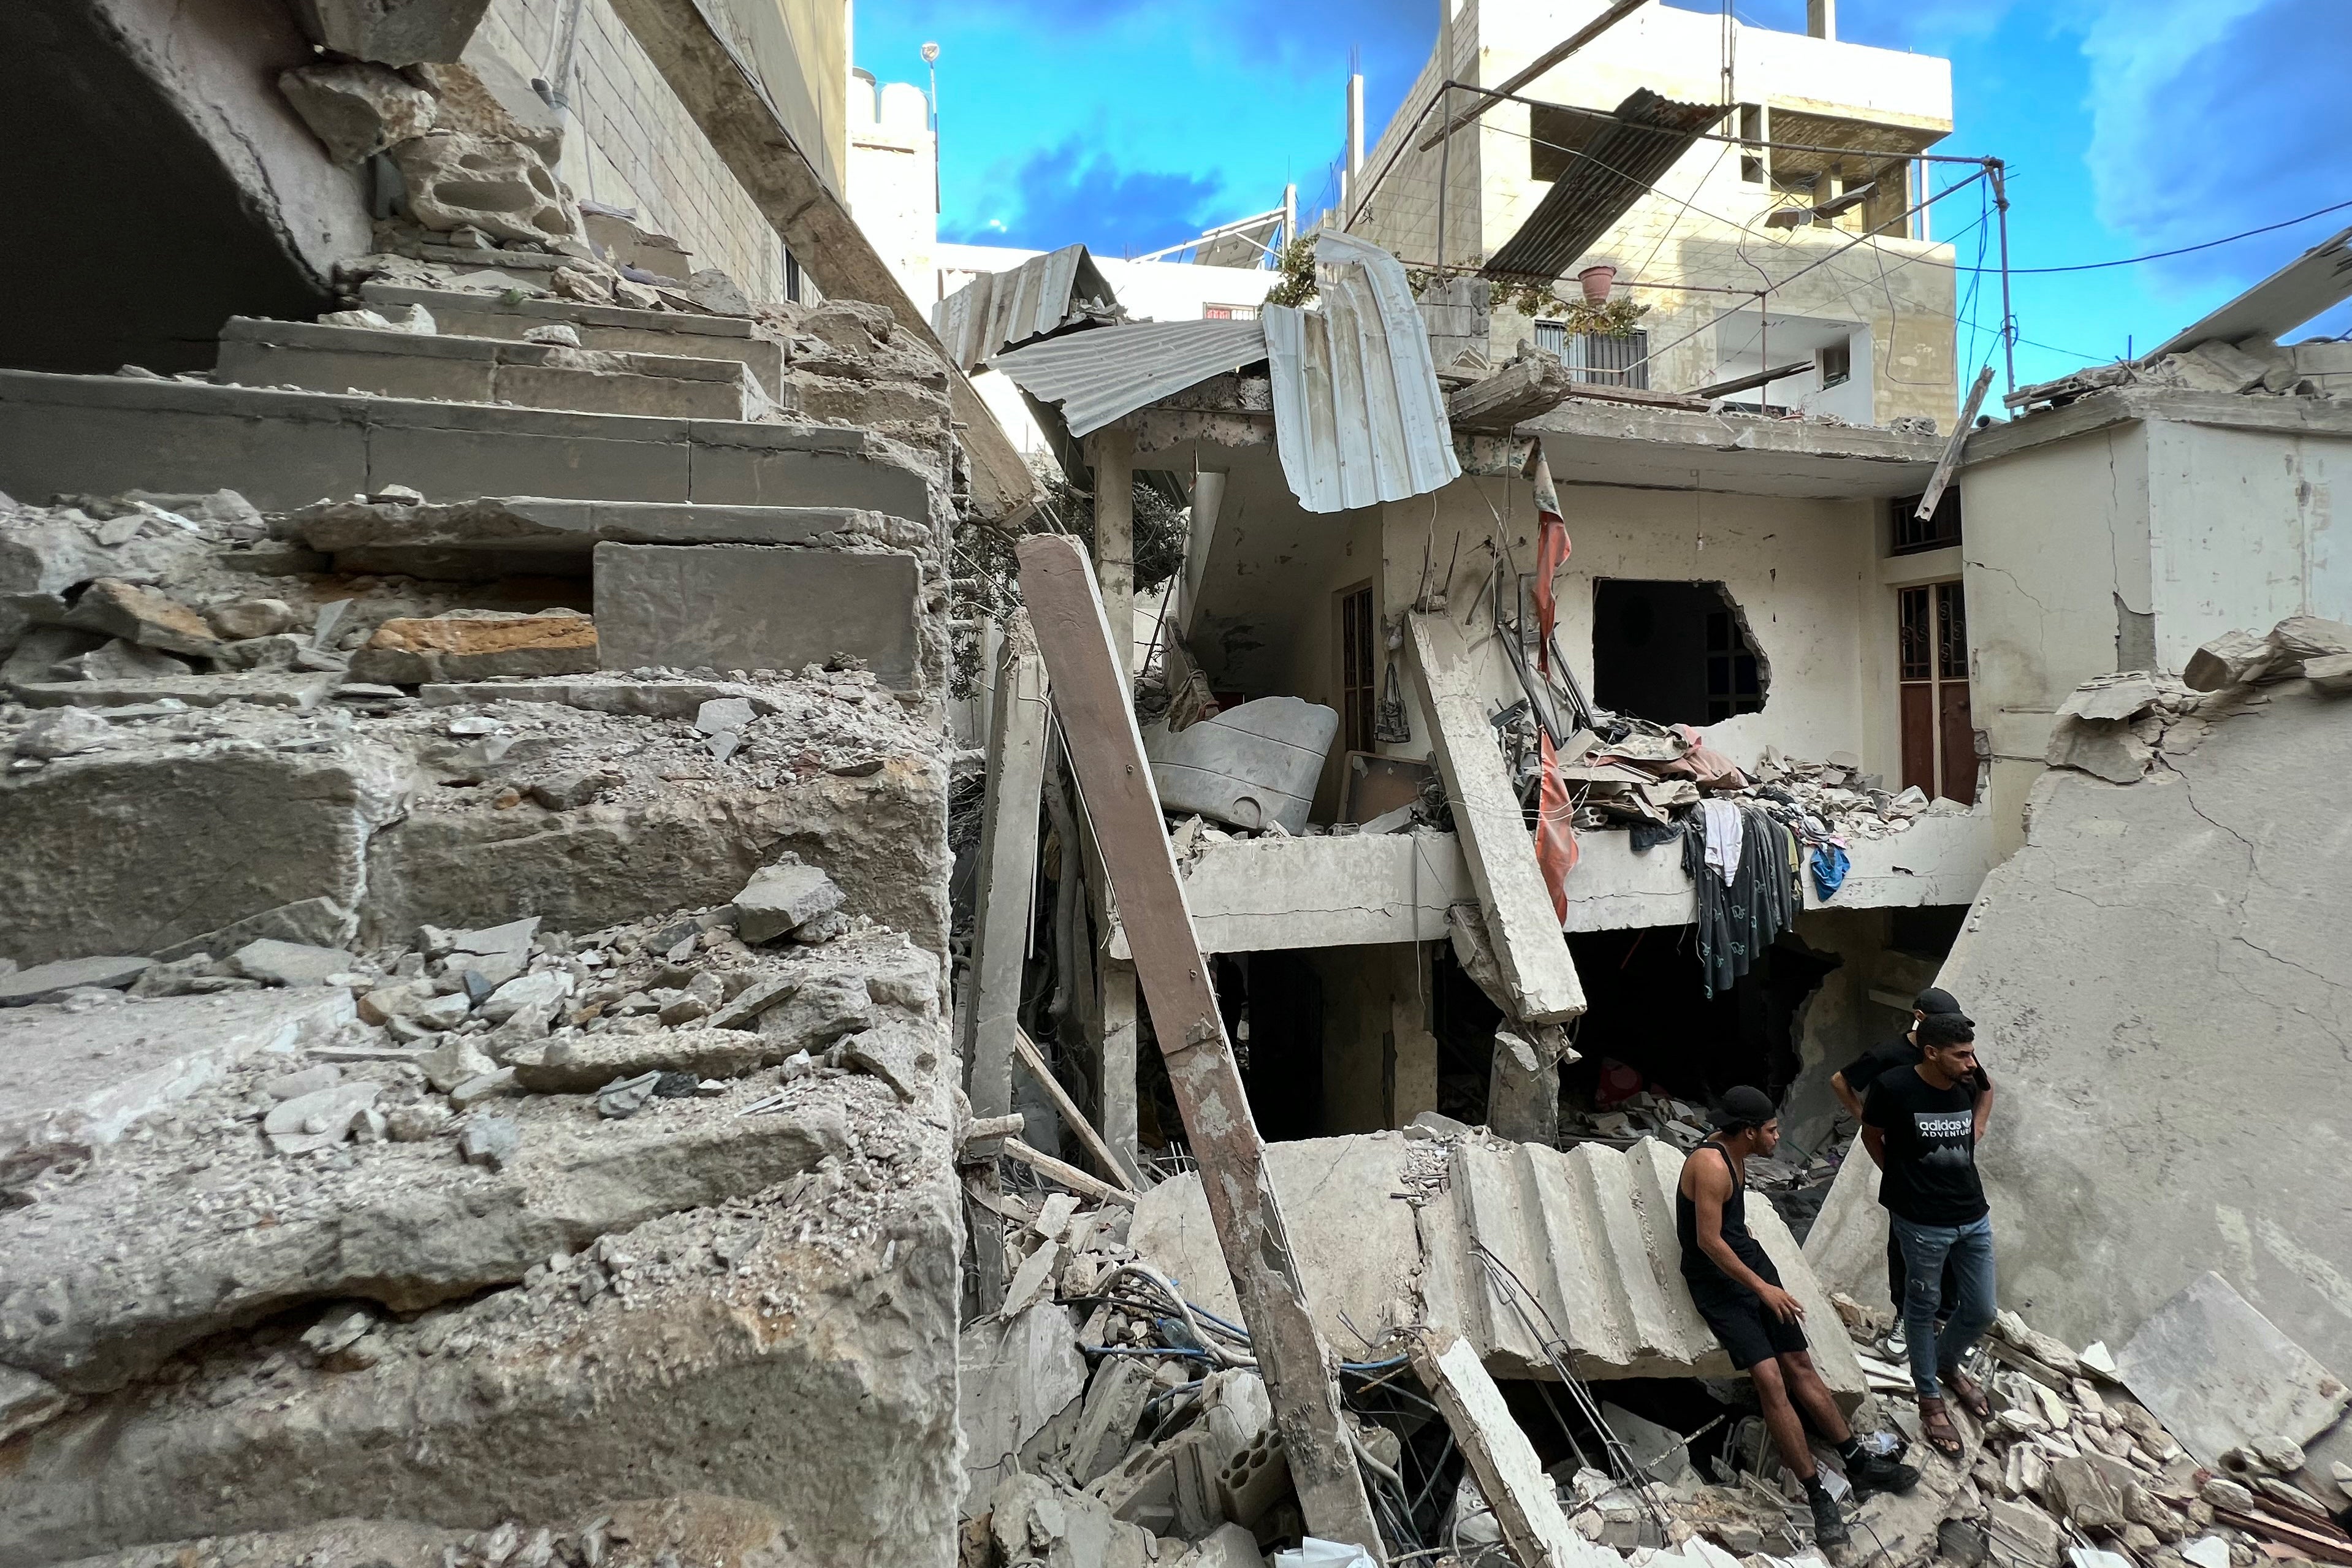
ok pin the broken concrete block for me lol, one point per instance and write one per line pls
(579, 1064)
(277, 963)
(2023, 1533)
(782, 897)
(116, 660)
(1115, 1401)
(484, 98)
(246, 618)
(545, 988)
(2124, 696)
(456, 1060)
(47, 982)
(63, 732)
(319, 1119)
(40, 649)
(1015, 1375)
(143, 615)
(730, 606)
(81, 1082)
(2220, 1375)
(393, 32)
(503, 188)
(477, 645)
(490, 1141)
(1037, 1523)
(25, 1401)
(570, 791)
(2330, 672)
(38, 566)
(2104, 749)
(357, 108)
(2301, 638)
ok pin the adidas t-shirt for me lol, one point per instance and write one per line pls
(1931, 1149)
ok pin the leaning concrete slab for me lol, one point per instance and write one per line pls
(2158, 980)
(75, 1079)
(1008, 855)
(726, 606)
(1534, 956)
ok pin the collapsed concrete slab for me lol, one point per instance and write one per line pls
(2158, 979)
(1588, 1231)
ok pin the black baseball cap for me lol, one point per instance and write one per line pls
(1933, 1000)
(1743, 1108)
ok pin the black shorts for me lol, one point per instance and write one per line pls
(1737, 1314)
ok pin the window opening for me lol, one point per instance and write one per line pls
(1358, 667)
(1609, 359)
(1229, 312)
(1836, 364)
(1912, 533)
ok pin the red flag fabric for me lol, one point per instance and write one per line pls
(1556, 848)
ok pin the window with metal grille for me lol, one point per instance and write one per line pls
(1229, 312)
(1358, 667)
(1938, 728)
(1912, 533)
(1734, 684)
(1612, 359)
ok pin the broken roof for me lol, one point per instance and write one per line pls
(1044, 295)
(1621, 157)
(1358, 416)
(1096, 376)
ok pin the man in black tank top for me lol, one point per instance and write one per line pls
(1738, 1290)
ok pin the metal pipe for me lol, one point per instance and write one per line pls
(1997, 170)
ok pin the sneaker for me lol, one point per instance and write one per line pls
(1875, 1473)
(1829, 1526)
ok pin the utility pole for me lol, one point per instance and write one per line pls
(931, 63)
(1997, 171)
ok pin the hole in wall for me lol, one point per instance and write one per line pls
(1674, 652)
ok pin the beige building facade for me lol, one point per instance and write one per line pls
(1869, 326)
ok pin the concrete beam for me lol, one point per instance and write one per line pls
(733, 111)
(1110, 454)
(1008, 871)
(1528, 945)
(1106, 750)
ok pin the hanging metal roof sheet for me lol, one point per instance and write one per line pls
(1096, 376)
(1620, 157)
(1358, 417)
(1044, 295)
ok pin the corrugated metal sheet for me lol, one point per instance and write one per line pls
(1606, 175)
(1095, 376)
(1043, 295)
(1588, 1231)
(1358, 414)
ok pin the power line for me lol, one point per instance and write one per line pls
(2158, 255)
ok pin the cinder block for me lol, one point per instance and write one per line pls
(737, 606)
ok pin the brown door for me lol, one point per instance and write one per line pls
(1939, 747)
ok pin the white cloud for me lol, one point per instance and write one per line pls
(2141, 142)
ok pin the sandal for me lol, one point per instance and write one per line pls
(1936, 1427)
(1969, 1393)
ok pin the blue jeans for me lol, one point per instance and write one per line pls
(1925, 1249)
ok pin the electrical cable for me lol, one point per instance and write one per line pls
(2162, 255)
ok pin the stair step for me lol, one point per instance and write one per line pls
(613, 327)
(505, 536)
(390, 364)
(105, 434)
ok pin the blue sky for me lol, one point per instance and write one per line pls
(2129, 126)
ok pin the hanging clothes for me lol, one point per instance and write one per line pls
(1556, 847)
(1829, 865)
(1738, 920)
(1725, 828)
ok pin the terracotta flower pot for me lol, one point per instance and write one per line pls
(1596, 282)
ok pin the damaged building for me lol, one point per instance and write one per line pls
(697, 883)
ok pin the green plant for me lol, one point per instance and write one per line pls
(1295, 267)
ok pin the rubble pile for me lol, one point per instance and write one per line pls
(2253, 368)
(664, 1155)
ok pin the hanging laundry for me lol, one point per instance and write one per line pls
(1724, 831)
(1739, 919)
(1829, 865)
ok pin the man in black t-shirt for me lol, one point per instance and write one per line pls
(1919, 1123)
(1867, 1068)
